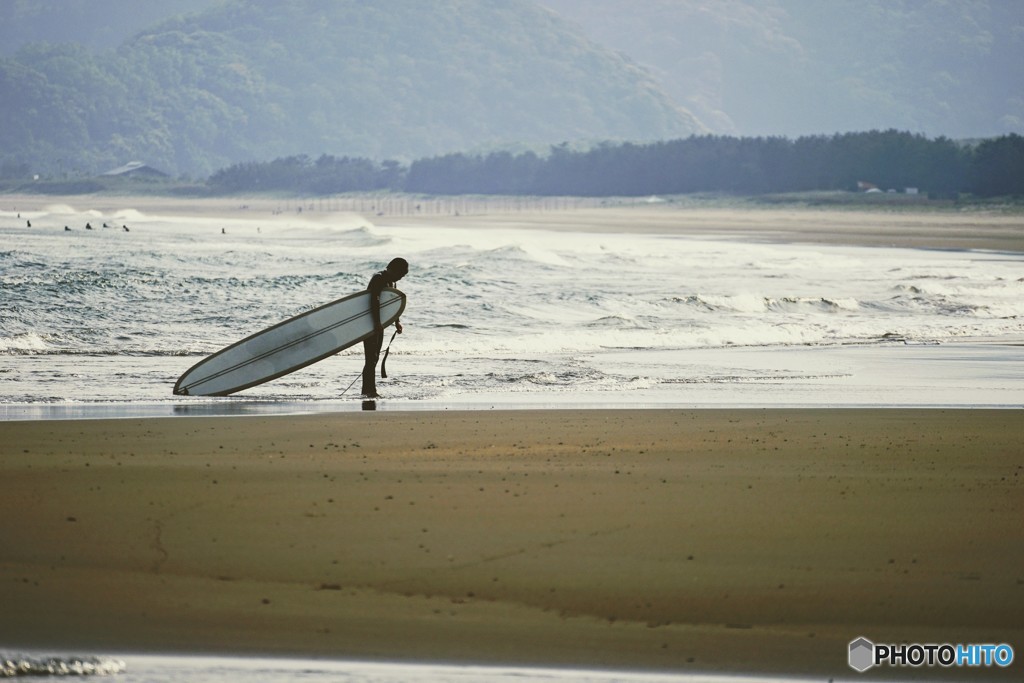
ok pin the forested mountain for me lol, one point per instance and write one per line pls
(256, 79)
(799, 67)
(86, 85)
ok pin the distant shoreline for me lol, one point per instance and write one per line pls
(994, 226)
(839, 199)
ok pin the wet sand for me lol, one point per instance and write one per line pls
(759, 541)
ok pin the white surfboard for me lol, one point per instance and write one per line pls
(290, 345)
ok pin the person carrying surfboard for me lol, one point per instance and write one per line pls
(396, 270)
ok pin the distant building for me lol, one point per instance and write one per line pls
(136, 169)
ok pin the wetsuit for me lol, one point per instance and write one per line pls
(372, 344)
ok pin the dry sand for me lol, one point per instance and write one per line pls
(715, 540)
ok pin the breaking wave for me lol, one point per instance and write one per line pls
(17, 666)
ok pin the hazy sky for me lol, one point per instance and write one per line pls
(792, 67)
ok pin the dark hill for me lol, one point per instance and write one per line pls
(257, 79)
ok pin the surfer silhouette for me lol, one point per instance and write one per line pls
(396, 270)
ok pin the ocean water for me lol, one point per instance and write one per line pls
(102, 322)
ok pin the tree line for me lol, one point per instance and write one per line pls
(890, 159)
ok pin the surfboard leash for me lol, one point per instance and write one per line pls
(358, 377)
(383, 371)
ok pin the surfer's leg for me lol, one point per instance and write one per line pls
(371, 352)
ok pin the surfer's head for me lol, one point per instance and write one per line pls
(398, 268)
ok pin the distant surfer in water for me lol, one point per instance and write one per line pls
(396, 270)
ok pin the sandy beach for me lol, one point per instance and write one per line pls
(757, 541)
(714, 540)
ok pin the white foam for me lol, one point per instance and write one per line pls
(221, 669)
(29, 342)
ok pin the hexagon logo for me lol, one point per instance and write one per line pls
(862, 654)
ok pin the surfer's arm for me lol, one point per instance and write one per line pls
(375, 287)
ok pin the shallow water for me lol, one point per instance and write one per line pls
(106, 318)
(206, 669)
